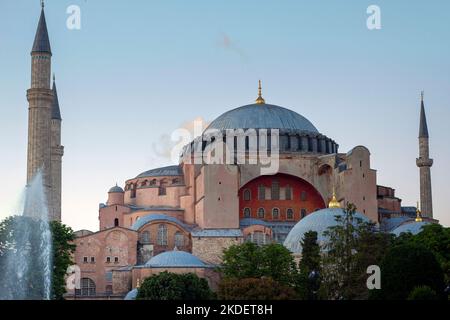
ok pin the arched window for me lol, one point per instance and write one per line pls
(275, 190)
(288, 192)
(145, 237)
(261, 213)
(303, 196)
(153, 182)
(289, 214)
(175, 181)
(261, 192)
(303, 213)
(275, 213)
(133, 191)
(144, 183)
(87, 287)
(116, 222)
(247, 213)
(258, 237)
(179, 239)
(162, 235)
(247, 195)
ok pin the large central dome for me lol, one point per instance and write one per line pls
(262, 116)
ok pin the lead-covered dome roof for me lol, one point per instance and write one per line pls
(262, 116)
(177, 259)
(318, 221)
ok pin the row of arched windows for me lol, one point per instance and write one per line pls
(261, 213)
(150, 183)
(274, 192)
(162, 237)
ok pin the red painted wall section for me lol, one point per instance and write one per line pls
(311, 203)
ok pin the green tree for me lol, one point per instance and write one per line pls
(173, 286)
(63, 248)
(405, 267)
(14, 243)
(435, 238)
(352, 246)
(423, 293)
(254, 289)
(308, 279)
(248, 260)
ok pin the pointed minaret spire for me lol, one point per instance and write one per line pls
(423, 127)
(41, 40)
(56, 113)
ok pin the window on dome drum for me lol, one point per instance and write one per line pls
(116, 222)
(247, 213)
(289, 214)
(303, 213)
(175, 181)
(261, 213)
(247, 195)
(275, 213)
(275, 190)
(144, 183)
(87, 287)
(261, 192)
(153, 182)
(303, 196)
(162, 235)
(145, 237)
(179, 239)
(288, 192)
(258, 237)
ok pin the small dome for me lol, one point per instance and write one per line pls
(412, 227)
(175, 259)
(318, 221)
(115, 189)
(262, 116)
(131, 295)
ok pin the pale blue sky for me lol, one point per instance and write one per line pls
(137, 70)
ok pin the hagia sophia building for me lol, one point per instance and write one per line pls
(180, 218)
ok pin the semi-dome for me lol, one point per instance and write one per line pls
(412, 227)
(115, 189)
(175, 259)
(318, 221)
(262, 116)
(131, 295)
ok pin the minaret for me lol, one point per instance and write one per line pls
(424, 163)
(57, 151)
(40, 99)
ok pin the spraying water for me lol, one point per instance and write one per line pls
(25, 265)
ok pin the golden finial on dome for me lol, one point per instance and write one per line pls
(138, 283)
(260, 99)
(334, 203)
(418, 213)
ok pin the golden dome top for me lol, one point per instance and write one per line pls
(260, 99)
(334, 203)
(418, 213)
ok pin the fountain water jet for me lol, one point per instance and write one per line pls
(26, 264)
